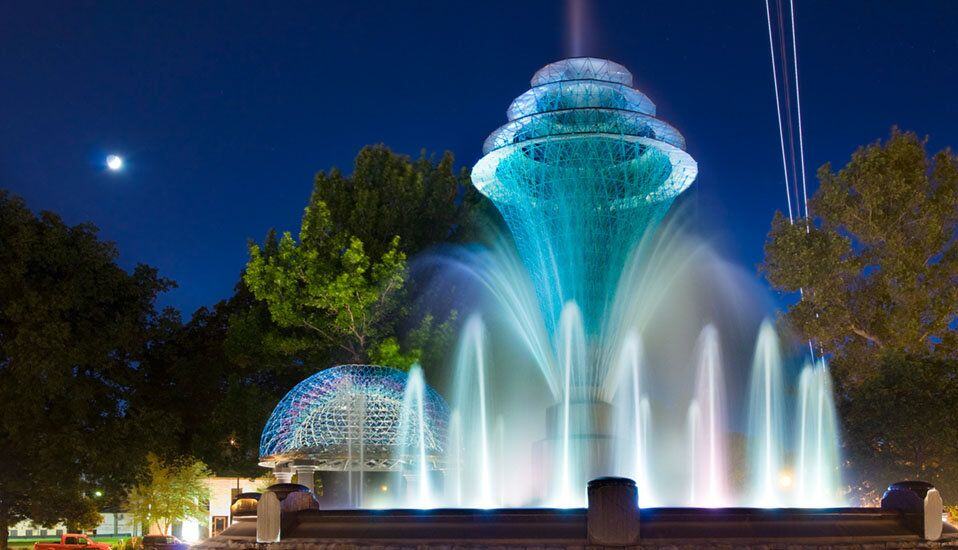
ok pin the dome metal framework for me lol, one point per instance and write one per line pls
(580, 172)
(351, 418)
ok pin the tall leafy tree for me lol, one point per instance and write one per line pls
(878, 261)
(235, 375)
(877, 265)
(73, 325)
(325, 282)
(900, 424)
(345, 279)
(423, 201)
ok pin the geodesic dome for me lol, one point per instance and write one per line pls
(580, 172)
(352, 417)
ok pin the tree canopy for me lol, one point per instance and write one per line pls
(73, 326)
(878, 262)
(345, 279)
(877, 267)
(900, 424)
(170, 492)
(423, 201)
(92, 377)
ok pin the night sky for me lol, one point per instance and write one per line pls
(225, 110)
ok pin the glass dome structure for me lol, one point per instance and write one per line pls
(580, 172)
(350, 418)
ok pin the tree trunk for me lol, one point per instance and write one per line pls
(4, 528)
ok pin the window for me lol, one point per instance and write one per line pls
(13, 532)
(70, 540)
(219, 524)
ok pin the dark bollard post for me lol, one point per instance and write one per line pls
(613, 515)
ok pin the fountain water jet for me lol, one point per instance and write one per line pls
(817, 471)
(583, 174)
(412, 423)
(631, 417)
(766, 420)
(708, 434)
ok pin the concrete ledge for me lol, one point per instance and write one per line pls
(542, 529)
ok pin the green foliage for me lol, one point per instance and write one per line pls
(345, 280)
(233, 373)
(421, 201)
(327, 284)
(174, 491)
(900, 424)
(130, 543)
(878, 270)
(878, 264)
(73, 325)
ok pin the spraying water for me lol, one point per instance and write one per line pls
(766, 420)
(817, 471)
(413, 428)
(589, 319)
(708, 434)
(631, 418)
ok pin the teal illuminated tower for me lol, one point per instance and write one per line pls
(580, 172)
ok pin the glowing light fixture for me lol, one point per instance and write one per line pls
(786, 480)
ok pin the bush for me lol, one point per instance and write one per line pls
(132, 543)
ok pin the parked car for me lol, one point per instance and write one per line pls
(72, 541)
(163, 542)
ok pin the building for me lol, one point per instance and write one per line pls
(120, 523)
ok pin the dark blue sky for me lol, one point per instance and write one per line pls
(225, 110)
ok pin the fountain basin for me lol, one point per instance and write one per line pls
(531, 527)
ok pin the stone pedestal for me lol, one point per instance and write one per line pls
(283, 473)
(304, 476)
(613, 516)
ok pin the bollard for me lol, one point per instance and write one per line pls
(933, 509)
(921, 504)
(278, 506)
(268, 518)
(613, 515)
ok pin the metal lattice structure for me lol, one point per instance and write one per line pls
(581, 170)
(350, 418)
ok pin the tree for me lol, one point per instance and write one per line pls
(171, 492)
(423, 202)
(900, 424)
(73, 325)
(327, 284)
(878, 261)
(345, 279)
(235, 375)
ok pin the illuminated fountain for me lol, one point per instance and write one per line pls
(582, 170)
(604, 341)
(607, 341)
(583, 174)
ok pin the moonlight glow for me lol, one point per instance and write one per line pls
(114, 162)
